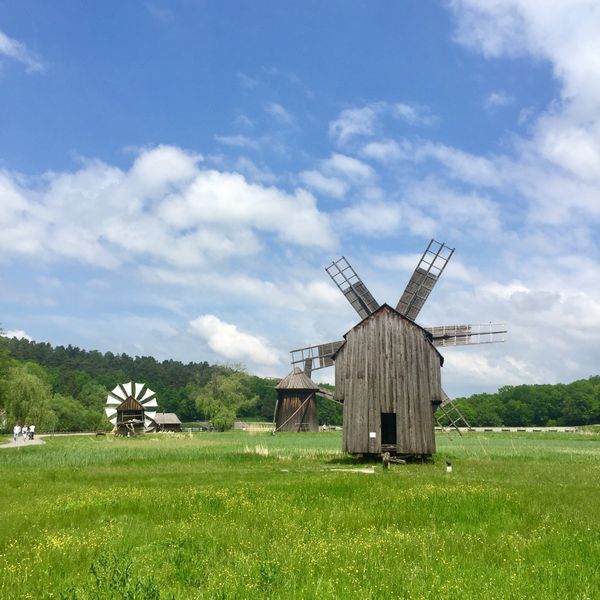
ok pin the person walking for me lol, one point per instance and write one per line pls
(25, 431)
(31, 431)
(16, 432)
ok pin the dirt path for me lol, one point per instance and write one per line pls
(37, 441)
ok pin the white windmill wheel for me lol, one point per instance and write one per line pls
(137, 392)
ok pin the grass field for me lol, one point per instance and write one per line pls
(237, 515)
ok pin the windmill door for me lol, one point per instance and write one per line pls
(388, 431)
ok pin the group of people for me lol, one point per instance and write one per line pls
(27, 431)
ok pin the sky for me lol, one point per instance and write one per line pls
(175, 176)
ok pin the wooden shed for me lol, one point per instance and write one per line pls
(167, 422)
(388, 375)
(296, 408)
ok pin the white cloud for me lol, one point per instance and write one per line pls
(279, 113)
(229, 342)
(18, 51)
(461, 165)
(165, 209)
(238, 141)
(407, 263)
(351, 168)
(566, 138)
(372, 218)
(453, 212)
(364, 121)
(330, 186)
(352, 122)
(412, 114)
(497, 99)
(385, 151)
(17, 333)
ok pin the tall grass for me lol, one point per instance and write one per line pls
(237, 515)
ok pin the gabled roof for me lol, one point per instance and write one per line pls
(297, 380)
(388, 308)
(130, 404)
(161, 418)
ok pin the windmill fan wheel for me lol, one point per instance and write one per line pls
(131, 408)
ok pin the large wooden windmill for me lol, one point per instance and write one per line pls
(387, 367)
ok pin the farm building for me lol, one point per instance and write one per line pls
(167, 422)
(296, 408)
(388, 375)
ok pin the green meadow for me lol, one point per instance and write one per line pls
(237, 515)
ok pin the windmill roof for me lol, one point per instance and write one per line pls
(388, 308)
(297, 380)
(130, 404)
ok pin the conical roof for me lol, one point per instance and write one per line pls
(297, 380)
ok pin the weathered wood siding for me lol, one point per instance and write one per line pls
(387, 365)
(289, 402)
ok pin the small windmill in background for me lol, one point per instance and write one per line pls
(417, 291)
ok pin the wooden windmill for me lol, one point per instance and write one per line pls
(296, 408)
(388, 368)
(131, 408)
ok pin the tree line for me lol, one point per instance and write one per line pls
(576, 403)
(65, 388)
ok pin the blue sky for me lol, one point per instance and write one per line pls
(174, 177)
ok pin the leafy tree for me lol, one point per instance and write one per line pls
(224, 396)
(27, 398)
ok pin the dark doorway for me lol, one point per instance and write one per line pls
(388, 428)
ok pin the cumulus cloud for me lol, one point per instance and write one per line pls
(18, 51)
(566, 137)
(228, 341)
(165, 208)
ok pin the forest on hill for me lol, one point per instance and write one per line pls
(65, 388)
(547, 405)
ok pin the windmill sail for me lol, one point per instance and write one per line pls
(425, 276)
(350, 284)
(312, 358)
(465, 335)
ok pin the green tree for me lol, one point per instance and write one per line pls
(224, 396)
(27, 398)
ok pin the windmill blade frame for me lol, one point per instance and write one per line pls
(468, 334)
(425, 276)
(352, 286)
(312, 358)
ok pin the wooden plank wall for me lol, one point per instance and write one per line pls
(289, 402)
(387, 365)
